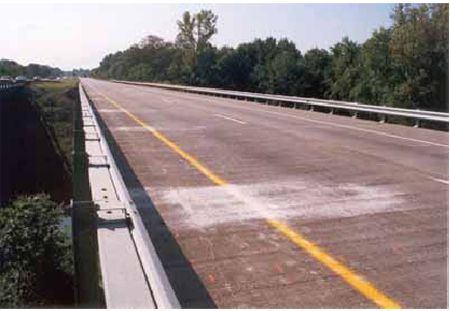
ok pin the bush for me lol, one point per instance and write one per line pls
(35, 256)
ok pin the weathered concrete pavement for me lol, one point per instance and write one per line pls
(373, 197)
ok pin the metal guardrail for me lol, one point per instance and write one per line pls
(125, 263)
(4, 85)
(310, 103)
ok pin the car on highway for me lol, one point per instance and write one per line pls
(22, 79)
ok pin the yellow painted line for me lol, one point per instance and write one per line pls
(194, 162)
(354, 280)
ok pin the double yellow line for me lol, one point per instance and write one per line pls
(354, 280)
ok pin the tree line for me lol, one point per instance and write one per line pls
(12, 69)
(9, 68)
(404, 65)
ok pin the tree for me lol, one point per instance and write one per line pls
(346, 69)
(317, 73)
(186, 26)
(419, 49)
(205, 28)
(376, 77)
(285, 69)
(196, 30)
(12, 69)
(405, 65)
(35, 258)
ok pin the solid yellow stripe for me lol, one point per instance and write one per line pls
(356, 281)
(194, 162)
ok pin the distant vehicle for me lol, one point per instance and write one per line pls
(21, 79)
(36, 78)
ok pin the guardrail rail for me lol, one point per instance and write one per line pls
(309, 103)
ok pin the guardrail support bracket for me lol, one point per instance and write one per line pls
(417, 123)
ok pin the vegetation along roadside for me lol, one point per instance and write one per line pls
(36, 258)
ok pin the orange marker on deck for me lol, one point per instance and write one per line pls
(211, 278)
(278, 268)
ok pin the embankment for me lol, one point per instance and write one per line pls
(30, 158)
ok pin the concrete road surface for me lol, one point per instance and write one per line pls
(256, 206)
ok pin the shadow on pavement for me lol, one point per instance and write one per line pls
(184, 280)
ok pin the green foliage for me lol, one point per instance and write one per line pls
(35, 257)
(12, 69)
(346, 70)
(57, 101)
(405, 65)
(419, 49)
(317, 73)
(196, 30)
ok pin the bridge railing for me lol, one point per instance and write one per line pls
(6, 85)
(310, 103)
(132, 273)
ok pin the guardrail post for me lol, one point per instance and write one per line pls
(331, 110)
(383, 118)
(311, 107)
(417, 123)
(354, 115)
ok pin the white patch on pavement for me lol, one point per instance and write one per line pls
(180, 129)
(129, 128)
(105, 110)
(201, 207)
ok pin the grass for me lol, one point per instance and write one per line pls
(57, 101)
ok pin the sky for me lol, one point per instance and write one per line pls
(79, 35)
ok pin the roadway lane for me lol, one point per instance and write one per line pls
(373, 197)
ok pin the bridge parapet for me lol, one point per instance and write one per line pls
(132, 274)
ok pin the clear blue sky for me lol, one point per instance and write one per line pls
(79, 35)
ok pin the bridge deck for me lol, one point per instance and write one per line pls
(237, 196)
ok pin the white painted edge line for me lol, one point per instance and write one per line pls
(163, 293)
(229, 118)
